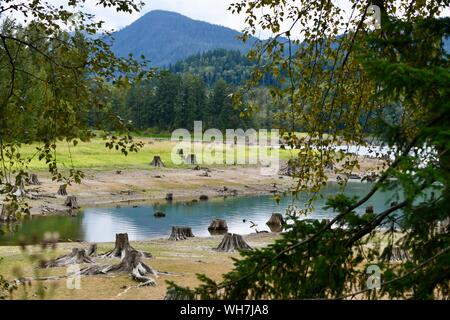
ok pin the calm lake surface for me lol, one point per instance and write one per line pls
(101, 224)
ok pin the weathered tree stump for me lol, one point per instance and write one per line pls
(233, 242)
(122, 245)
(62, 191)
(181, 233)
(169, 197)
(394, 254)
(131, 262)
(369, 209)
(71, 202)
(159, 214)
(92, 250)
(157, 162)
(19, 188)
(218, 225)
(276, 220)
(191, 159)
(33, 179)
(77, 256)
(8, 213)
(203, 197)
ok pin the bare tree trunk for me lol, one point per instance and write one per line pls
(233, 242)
(77, 256)
(181, 233)
(157, 162)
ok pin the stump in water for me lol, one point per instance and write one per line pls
(62, 191)
(276, 220)
(233, 242)
(191, 159)
(77, 256)
(121, 247)
(203, 197)
(72, 202)
(218, 225)
(157, 162)
(159, 214)
(181, 233)
(33, 179)
(369, 209)
(92, 250)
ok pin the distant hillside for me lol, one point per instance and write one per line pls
(166, 37)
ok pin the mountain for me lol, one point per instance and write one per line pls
(165, 37)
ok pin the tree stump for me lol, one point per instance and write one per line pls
(191, 159)
(181, 233)
(233, 242)
(169, 197)
(62, 191)
(19, 188)
(72, 202)
(77, 256)
(369, 209)
(276, 220)
(8, 213)
(121, 247)
(157, 162)
(131, 262)
(203, 197)
(159, 214)
(394, 254)
(218, 225)
(33, 179)
(92, 250)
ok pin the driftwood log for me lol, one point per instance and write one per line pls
(157, 162)
(77, 256)
(191, 159)
(233, 242)
(122, 245)
(62, 191)
(218, 225)
(181, 233)
(71, 202)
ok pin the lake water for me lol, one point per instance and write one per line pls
(101, 224)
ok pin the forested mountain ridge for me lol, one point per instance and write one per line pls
(165, 37)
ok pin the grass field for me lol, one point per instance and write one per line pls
(94, 155)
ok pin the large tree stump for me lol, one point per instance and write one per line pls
(181, 233)
(72, 202)
(218, 225)
(121, 247)
(233, 242)
(276, 220)
(131, 262)
(191, 159)
(62, 191)
(33, 179)
(157, 162)
(77, 256)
